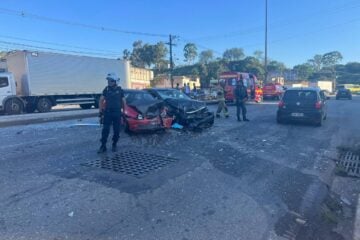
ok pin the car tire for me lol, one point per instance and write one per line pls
(279, 120)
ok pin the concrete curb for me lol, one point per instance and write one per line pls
(25, 119)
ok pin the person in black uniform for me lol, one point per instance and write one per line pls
(241, 97)
(110, 105)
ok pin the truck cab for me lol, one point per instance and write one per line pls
(7, 89)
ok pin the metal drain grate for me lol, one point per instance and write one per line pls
(351, 163)
(132, 163)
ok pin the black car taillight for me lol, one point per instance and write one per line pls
(281, 104)
(318, 105)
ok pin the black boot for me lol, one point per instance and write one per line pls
(246, 120)
(238, 118)
(102, 149)
(114, 147)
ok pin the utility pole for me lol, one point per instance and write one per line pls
(266, 32)
(171, 44)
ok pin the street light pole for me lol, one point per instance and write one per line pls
(266, 30)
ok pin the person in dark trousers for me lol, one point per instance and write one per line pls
(110, 106)
(241, 97)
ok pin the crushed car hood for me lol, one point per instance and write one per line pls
(146, 107)
(184, 104)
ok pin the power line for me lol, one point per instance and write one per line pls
(306, 33)
(287, 23)
(66, 22)
(199, 45)
(33, 47)
(60, 44)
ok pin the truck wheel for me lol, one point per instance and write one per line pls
(14, 106)
(85, 106)
(44, 105)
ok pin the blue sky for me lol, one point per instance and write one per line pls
(297, 29)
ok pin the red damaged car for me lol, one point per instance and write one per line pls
(142, 112)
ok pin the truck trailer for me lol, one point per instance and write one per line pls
(41, 80)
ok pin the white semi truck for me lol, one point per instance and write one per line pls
(40, 80)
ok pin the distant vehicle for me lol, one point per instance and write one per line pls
(41, 80)
(354, 88)
(273, 91)
(324, 85)
(186, 111)
(229, 80)
(302, 104)
(343, 93)
(142, 112)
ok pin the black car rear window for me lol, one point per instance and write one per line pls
(344, 90)
(300, 96)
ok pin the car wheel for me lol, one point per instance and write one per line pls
(279, 120)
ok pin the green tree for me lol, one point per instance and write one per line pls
(190, 52)
(147, 54)
(233, 54)
(206, 56)
(331, 58)
(304, 71)
(159, 52)
(136, 55)
(194, 73)
(126, 54)
(259, 55)
(316, 62)
(276, 67)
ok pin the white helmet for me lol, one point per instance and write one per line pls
(112, 77)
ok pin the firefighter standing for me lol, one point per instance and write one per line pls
(258, 94)
(221, 105)
(110, 105)
(241, 96)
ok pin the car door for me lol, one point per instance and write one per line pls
(5, 88)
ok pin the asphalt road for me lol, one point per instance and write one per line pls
(255, 180)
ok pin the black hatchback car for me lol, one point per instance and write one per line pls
(343, 93)
(303, 104)
(186, 111)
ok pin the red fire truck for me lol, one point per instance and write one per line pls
(229, 80)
